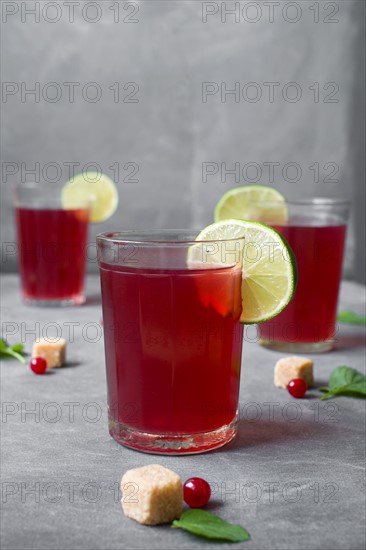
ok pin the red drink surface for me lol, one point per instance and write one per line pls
(173, 359)
(52, 252)
(311, 315)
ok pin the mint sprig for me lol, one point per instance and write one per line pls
(350, 317)
(207, 525)
(15, 351)
(345, 381)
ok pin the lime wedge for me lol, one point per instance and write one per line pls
(253, 202)
(220, 253)
(269, 271)
(96, 189)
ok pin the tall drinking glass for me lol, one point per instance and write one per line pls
(51, 245)
(316, 231)
(173, 340)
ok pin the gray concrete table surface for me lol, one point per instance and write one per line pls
(294, 476)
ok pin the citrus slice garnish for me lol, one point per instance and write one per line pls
(269, 271)
(254, 203)
(92, 188)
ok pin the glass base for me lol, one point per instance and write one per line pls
(62, 302)
(296, 347)
(172, 444)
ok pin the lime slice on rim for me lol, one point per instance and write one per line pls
(253, 202)
(269, 271)
(97, 189)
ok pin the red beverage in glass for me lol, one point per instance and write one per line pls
(173, 363)
(173, 343)
(52, 253)
(310, 317)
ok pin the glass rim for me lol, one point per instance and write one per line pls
(44, 195)
(110, 237)
(312, 201)
(30, 185)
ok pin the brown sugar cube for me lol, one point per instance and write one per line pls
(53, 352)
(288, 368)
(152, 494)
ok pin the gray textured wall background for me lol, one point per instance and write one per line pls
(169, 132)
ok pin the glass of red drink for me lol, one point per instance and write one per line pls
(173, 339)
(51, 245)
(316, 231)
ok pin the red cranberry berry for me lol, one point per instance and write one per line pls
(196, 492)
(38, 365)
(297, 387)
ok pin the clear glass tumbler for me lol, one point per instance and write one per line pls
(173, 341)
(51, 245)
(316, 232)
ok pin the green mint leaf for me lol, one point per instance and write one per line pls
(345, 392)
(207, 525)
(345, 376)
(345, 381)
(3, 344)
(18, 347)
(326, 396)
(8, 352)
(15, 351)
(351, 318)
